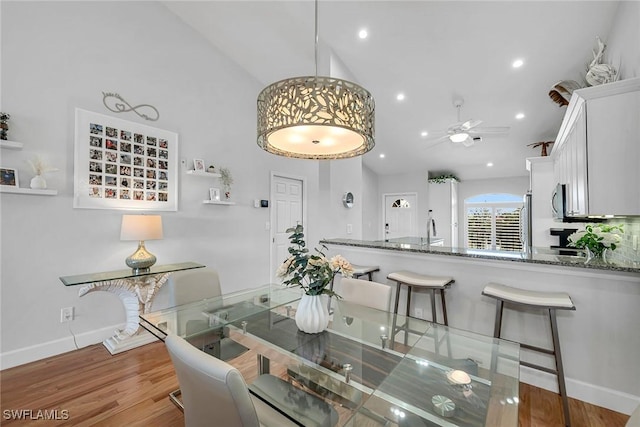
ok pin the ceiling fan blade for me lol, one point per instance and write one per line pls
(495, 130)
(435, 141)
(469, 124)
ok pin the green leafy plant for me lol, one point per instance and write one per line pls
(440, 179)
(312, 271)
(226, 178)
(596, 238)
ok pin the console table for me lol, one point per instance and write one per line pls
(136, 291)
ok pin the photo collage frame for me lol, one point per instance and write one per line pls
(124, 165)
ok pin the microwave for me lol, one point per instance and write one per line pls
(559, 202)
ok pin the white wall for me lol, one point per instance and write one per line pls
(371, 205)
(57, 56)
(622, 43)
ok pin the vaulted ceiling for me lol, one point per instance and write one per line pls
(433, 52)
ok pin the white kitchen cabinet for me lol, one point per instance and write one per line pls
(443, 201)
(597, 151)
(542, 183)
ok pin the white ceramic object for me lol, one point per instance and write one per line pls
(312, 315)
(38, 183)
(458, 377)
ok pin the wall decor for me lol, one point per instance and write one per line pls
(9, 177)
(198, 164)
(124, 165)
(4, 126)
(122, 106)
(214, 194)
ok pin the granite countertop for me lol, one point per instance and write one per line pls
(538, 256)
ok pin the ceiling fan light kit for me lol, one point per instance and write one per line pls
(315, 117)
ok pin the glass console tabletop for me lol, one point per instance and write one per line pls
(370, 375)
(82, 279)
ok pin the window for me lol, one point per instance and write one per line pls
(493, 222)
(401, 203)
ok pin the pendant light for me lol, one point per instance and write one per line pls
(316, 117)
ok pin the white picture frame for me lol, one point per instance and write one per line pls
(198, 165)
(214, 194)
(9, 177)
(120, 164)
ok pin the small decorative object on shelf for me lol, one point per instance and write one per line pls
(313, 272)
(227, 179)
(198, 165)
(596, 239)
(211, 169)
(560, 92)
(39, 168)
(9, 177)
(4, 126)
(542, 144)
(440, 179)
(597, 72)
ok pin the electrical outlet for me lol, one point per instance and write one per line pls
(418, 312)
(66, 314)
(349, 228)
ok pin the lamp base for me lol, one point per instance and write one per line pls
(141, 260)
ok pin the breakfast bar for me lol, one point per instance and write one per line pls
(600, 342)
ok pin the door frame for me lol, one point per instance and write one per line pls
(384, 210)
(272, 213)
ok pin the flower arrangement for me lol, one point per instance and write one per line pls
(313, 272)
(39, 167)
(596, 238)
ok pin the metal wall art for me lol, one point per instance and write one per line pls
(124, 165)
(117, 104)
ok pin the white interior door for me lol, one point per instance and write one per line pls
(287, 211)
(400, 215)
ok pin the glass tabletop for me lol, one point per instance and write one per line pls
(449, 377)
(82, 279)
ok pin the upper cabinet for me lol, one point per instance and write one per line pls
(597, 151)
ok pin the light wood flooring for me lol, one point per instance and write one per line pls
(131, 388)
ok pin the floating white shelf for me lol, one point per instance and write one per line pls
(207, 174)
(29, 191)
(11, 144)
(217, 202)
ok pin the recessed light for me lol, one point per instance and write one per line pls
(382, 155)
(517, 63)
(489, 164)
(424, 133)
(520, 116)
(400, 97)
(363, 34)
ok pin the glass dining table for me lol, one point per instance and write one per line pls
(375, 368)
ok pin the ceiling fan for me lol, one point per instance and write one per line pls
(468, 133)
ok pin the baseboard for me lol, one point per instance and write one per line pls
(596, 395)
(32, 353)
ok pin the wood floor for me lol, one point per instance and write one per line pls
(90, 387)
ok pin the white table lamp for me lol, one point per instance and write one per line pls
(141, 228)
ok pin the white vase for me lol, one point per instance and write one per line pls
(312, 315)
(38, 182)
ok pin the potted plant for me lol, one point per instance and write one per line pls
(596, 239)
(227, 180)
(313, 272)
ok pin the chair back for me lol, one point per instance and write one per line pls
(213, 392)
(371, 294)
(188, 286)
(634, 420)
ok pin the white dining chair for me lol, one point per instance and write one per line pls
(215, 393)
(364, 292)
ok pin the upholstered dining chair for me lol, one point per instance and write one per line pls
(214, 392)
(364, 292)
(191, 285)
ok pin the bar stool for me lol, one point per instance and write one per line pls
(432, 283)
(550, 301)
(364, 270)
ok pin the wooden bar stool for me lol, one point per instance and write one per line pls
(431, 283)
(364, 270)
(550, 301)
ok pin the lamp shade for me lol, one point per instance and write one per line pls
(141, 227)
(316, 118)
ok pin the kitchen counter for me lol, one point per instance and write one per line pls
(538, 255)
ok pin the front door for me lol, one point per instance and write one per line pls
(286, 212)
(400, 215)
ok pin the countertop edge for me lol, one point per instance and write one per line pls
(444, 251)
